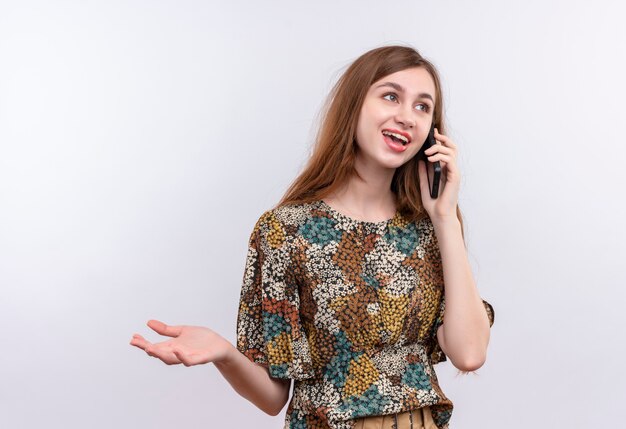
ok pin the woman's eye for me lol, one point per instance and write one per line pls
(393, 97)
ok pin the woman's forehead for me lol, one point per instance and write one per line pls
(415, 81)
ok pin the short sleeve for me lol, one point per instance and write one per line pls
(437, 355)
(269, 330)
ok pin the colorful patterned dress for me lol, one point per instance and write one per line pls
(349, 310)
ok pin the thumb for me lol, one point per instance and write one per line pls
(163, 329)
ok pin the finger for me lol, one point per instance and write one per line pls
(445, 140)
(443, 158)
(446, 162)
(439, 135)
(187, 359)
(165, 355)
(448, 165)
(447, 143)
(139, 342)
(439, 149)
(163, 329)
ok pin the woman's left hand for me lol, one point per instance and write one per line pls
(444, 206)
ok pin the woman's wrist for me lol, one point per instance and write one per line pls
(445, 221)
(229, 357)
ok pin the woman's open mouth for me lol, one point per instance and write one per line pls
(396, 142)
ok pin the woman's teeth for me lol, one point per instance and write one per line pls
(397, 137)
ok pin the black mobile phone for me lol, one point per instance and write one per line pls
(433, 169)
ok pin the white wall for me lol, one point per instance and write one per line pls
(141, 140)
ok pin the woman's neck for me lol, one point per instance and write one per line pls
(368, 199)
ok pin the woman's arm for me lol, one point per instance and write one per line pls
(195, 345)
(253, 382)
(464, 336)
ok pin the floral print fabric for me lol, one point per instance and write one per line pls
(349, 310)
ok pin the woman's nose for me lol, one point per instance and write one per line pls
(403, 117)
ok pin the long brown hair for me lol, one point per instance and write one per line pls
(332, 161)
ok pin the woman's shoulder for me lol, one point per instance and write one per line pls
(289, 215)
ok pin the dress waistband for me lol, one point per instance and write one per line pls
(420, 418)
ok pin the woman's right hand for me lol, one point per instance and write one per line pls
(189, 345)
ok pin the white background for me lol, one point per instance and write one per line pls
(141, 140)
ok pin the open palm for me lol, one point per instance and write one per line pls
(189, 345)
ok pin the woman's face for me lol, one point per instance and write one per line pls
(400, 103)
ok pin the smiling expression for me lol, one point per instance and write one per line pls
(400, 103)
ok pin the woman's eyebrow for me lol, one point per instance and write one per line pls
(400, 89)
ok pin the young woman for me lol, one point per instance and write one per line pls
(343, 290)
